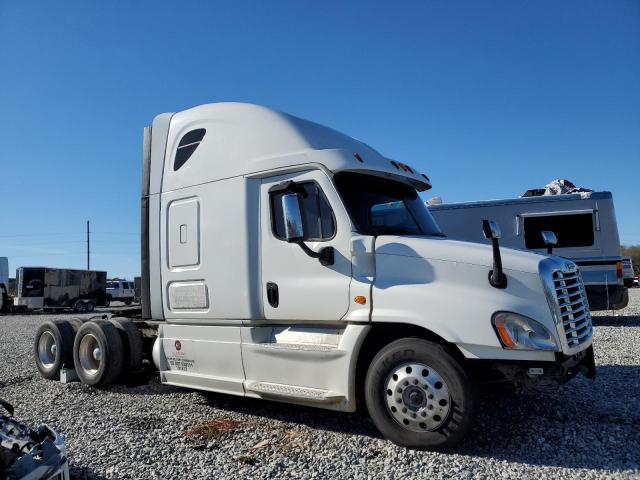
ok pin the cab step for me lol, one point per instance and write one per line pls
(267, 389)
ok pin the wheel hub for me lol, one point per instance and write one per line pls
(47, 349)
(414, 398)
(417, 397)
(90, 354)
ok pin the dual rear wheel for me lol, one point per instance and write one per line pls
(100, 351)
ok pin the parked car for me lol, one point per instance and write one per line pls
(627, 271)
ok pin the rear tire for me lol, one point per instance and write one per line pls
(97, 353)
(79, 306)
(419, 396)
(131, 342)
(53, 348)
(107, 301)
(89, 306)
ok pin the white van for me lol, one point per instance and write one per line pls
(120, 290)
(627, 271)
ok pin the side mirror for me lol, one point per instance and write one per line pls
(549, 239)
(294, 231)
(491, 230)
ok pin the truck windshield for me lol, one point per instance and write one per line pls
(379, 206)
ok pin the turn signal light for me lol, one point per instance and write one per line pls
(504, 335)
(619, 269)
(360, 299)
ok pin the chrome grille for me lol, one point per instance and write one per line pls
(574, 309)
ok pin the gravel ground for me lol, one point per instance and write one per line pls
(583, 429)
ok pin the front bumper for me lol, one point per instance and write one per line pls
(526, 373)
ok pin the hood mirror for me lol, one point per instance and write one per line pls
(549, 239)
(491, 231)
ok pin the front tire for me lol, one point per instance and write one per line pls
(419, 396)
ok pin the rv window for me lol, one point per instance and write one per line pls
(187, 146)
(573, 230)
(317, 216)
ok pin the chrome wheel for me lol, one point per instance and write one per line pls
(47, 349)
(90, 354)
(417, 397)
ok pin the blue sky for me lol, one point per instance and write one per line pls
(487, 98)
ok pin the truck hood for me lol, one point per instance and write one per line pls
(443, 249)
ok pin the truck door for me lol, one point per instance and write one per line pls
(296, 286)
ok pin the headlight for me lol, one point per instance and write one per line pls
(517, 332)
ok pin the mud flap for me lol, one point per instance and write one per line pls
(588, 364)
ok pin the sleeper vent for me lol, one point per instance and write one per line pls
(187, 146)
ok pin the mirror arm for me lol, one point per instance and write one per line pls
(497, 278)
(325, 255)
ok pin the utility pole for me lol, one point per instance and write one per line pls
(88, 249)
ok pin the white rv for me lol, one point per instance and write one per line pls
(584, 225)
(268, 271)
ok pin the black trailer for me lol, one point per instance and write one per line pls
(137, 288)
(59, 288)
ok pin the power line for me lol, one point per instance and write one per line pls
(50, 234)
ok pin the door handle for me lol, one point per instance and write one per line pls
(272, 294)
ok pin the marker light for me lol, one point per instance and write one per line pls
(358, 157)
(619, 270)
(517, 332)
(360, 299)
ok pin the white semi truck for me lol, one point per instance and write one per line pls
(269, 271)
